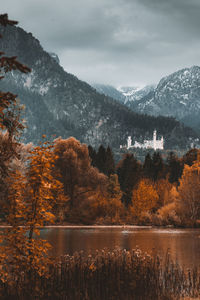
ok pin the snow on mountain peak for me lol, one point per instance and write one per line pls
(177, 95)
(135, 93)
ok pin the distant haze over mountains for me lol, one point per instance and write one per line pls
(57, 103)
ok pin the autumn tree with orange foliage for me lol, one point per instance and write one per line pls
(107, 203)
(30, 191)
(32, 196)
(167, 214)
(188, 207)
(163, 188)
(144, 199)
(79, 178)
(114, 196)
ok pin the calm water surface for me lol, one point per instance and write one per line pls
(184, 244)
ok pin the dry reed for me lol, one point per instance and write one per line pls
(115, 275)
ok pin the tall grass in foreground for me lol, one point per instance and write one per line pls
(116, 275)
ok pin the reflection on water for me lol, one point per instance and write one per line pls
(184, 244)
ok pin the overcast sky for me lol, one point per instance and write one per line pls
(118, 42)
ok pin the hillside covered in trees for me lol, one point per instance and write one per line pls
(57, 103)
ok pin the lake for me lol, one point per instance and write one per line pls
(184, 244)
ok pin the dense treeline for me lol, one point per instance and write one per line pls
(95, 190)
(152, 191)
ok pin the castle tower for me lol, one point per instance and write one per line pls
(154, 140)
(129, 142)
(154, 135)
(162, 143)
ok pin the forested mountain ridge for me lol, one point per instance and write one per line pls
(57, 103)
(177, 95)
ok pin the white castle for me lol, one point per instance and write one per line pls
(147, 144)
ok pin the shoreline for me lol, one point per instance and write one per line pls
(101, 226)
(106, 226)
(89, 226)
(97, 226)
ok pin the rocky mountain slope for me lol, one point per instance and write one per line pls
(133, 94)
(176, 95)
(59, 104)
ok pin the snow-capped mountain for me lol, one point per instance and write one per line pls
(57, 103)
(176, 95)
(133, 94)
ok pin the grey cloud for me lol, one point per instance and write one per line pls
(69, 23)
(183, 14)
(114, 41)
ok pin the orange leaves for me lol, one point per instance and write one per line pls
(78, 176)
(42, 184)
(31, 196)
(188, 204)
(107, 202)
(8, 64)
(30, 191)
(144, 198)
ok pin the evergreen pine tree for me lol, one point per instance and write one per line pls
(110, 164)
(190, 157)
(158, 166)
(148, 166)
(93, 155)
(129, 173)
(101, 159)
(175, 168)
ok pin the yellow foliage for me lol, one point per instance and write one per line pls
(79, 178)
(168, 211)
(189, 194)
(107, 202)
(163, 188)
(31, 197)
(145, 198)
